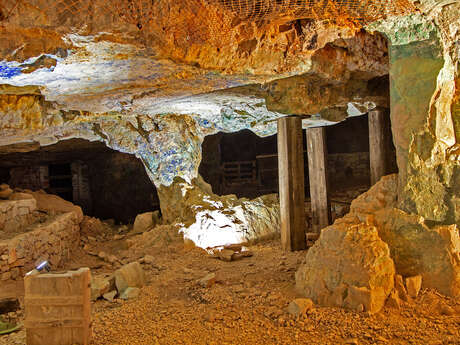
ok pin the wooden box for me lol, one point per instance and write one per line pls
(58, 308)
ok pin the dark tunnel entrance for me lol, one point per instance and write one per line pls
(246, 165)
(107, 184)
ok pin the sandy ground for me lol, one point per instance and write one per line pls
(246, 305)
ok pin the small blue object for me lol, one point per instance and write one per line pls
(8, 72)
(43, 265)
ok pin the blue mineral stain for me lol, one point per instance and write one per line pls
(8, 72)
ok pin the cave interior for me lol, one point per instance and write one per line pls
(229, 172)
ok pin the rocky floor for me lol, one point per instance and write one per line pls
(245, 305)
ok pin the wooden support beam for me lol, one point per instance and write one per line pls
(291, 183)
(317, 167)
(377, 144)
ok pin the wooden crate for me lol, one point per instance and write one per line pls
(58, 308)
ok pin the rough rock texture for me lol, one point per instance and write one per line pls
(415, 247)
(210, 220)
(146, 221)
(130, 293)
(413, 285)
(92, 227)
(373, 233)
(130, 275)
(152, 92)
(129, 95)
(53, 241)
(350, 266)
(300, 306)
(424, 73)
(52, 203)
(101, 285)
(16, 214)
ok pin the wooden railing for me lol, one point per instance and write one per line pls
(238, 173)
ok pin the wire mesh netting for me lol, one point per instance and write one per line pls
(363, 10)
(7, 8)
(143, 12)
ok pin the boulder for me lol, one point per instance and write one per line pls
(230, 253)
(148, 259)
(225, 254)
(393, 300)
(208, 280)
(401, 289)
(101, 286)
(130, 293)
(413, 285)
(145, 222)
(349, 266)
(300, 306)
(6, 193)
(129, 275)
(433, 253)
(110, 296)
(53, 203)
(92, 227)
(444, 309)
(415, 247)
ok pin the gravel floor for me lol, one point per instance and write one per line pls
(247, 305)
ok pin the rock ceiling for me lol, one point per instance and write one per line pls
(153, 78)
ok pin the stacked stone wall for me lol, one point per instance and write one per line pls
(16, 214)
(53, 241)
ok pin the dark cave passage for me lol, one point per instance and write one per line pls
(107, 184)
(244, 164)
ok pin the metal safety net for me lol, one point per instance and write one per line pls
(143, 12)
(361, 10)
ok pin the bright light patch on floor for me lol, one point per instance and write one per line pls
(212, 229)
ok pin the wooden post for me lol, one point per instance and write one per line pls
(377, 144)
(317, 167)
(291, 183)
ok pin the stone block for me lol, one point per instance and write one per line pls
(348, 260)
(393, 300)
(130, 293)
(110, 296)
(6, 193)
(21, 196)
(130, 275)
(101, 286)
(208, 280)
(413, 285)
(143, 222)
(300, 306)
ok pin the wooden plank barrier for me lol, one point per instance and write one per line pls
(58, 308)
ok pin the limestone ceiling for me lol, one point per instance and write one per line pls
(73, 69)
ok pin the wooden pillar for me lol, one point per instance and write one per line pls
(317, 167)
(291, 183)
(377, 144)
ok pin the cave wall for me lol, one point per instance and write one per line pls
(424, 81)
